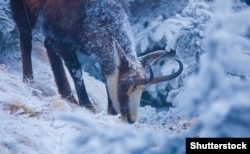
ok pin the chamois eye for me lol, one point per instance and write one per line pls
(124, 87)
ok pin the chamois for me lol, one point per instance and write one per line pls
(95, 27)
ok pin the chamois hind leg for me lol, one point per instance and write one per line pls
(71, 61)
(25, 20)
(58, 70)
(25, 38)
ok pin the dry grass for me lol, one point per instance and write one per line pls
(20, 109)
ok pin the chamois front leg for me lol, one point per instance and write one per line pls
(111, 109)
(75, 70)
(58, 70)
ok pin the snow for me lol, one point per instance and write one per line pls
(212, 101)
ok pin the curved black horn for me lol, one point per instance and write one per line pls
(169, 77)
(151, 75)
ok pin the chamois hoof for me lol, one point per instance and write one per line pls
(71, 99)
(90, 107)
(28, 81)
(112, 111)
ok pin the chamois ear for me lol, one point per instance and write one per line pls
(121, 56)
(151, 57)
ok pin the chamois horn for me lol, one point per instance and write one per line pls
(153, 80)
(169, 77)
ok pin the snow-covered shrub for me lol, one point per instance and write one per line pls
(8, 34)
(219, 92)
(147, 19)
(182, 32)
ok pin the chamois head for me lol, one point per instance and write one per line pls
(127, 83)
